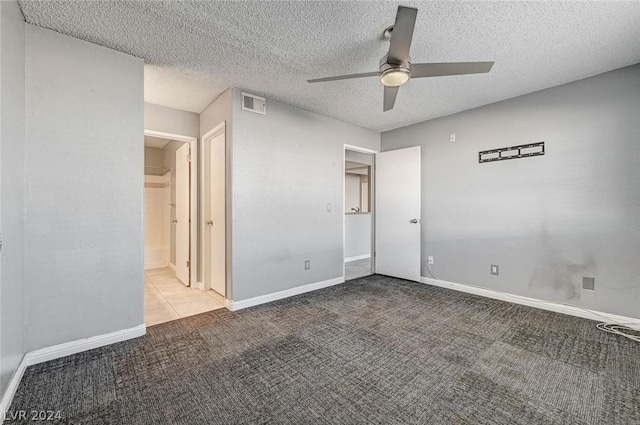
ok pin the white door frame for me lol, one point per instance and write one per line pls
(215, 131)
(371, 202)
(193, 199)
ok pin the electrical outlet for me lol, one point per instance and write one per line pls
(307, 264)
(430, 259)
(495, 269)
(588, 283)
(452, 137)
(328, 207)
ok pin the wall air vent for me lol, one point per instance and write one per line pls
(513, 152)
(253, 103)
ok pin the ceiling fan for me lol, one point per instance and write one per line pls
(396, 67)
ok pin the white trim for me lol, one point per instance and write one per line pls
(342, 207)
(10, 392)
(171, 136)
(359, 149)
(155, 265)
(193, 195)
(172, 267)
(356, 258)
(263, 299)
(372, 197)
(533, 302)
(73, 347)
(62, 350)
(215, 131)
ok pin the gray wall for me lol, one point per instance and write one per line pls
(287, 166)
(357, 235)
(84, 204)
(220, 110)
(170, 120)
(546, 221)
(12, 189)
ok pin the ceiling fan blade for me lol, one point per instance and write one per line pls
(390, 94)
(344, 77)
(401, 35)
(421, 70)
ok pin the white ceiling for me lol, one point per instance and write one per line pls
(194, 50)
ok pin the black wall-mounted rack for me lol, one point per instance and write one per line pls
(513, 152)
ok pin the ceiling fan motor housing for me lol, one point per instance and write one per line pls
(385, 62)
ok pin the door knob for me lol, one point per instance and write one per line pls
(174, 221)
(414, 221)
(210, 222)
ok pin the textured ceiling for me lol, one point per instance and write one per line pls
(194, 50)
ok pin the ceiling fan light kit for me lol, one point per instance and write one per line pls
(395, 66)
(394, 75)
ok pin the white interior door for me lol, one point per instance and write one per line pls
(182, 213)
(398, 213)
(215, 222)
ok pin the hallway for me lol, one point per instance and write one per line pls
(166, 298)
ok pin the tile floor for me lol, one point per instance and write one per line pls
(358, 268)
(166, 298)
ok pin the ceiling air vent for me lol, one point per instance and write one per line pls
(254, 104)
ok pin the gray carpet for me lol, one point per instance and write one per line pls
(375, 350)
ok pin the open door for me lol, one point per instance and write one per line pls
(182, 213)
(398, 213)
(215, 220)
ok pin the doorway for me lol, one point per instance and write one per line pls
(167, 193)
(358, 212)
(170, 208)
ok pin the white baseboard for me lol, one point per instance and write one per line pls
(533, 302)
(356, 258)
(73, 347)
(156, 265)
(63, 350)
(262, 299)
(172, 267)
